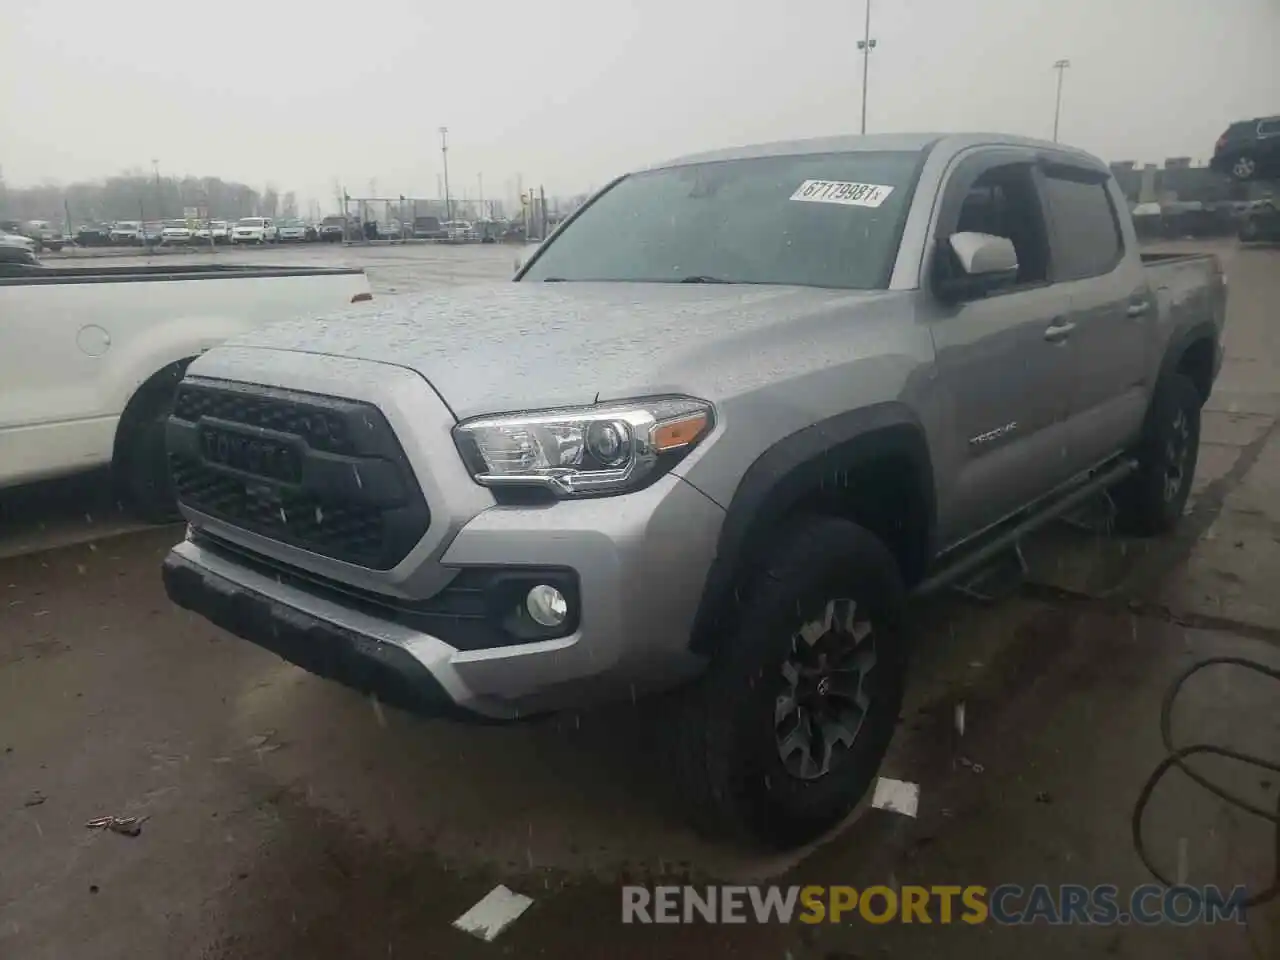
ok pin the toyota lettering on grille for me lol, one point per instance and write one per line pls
(258, 456)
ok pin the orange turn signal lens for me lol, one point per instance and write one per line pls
(674, 434)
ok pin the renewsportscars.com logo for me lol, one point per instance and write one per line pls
(1005, 905)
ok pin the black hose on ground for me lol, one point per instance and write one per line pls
(1177, 756)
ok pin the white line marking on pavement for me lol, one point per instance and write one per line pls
(497, 911)
(897, 796)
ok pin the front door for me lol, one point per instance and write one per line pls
(1004, 361)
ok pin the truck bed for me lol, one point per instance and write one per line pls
(13, 274)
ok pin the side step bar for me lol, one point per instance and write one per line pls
(1007, 535)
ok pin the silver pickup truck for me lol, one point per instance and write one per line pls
(727, 419)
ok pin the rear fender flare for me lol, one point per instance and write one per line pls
(1178, 346)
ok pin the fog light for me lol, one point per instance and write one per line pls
(547, 606)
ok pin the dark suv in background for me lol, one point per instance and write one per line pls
(428, 228)
(1249, 150)
(332, 229)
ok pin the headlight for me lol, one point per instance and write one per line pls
(586, 451)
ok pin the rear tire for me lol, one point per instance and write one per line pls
(784, 734)
(142, 467)
(1151, 500)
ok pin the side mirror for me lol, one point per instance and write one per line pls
(974, 265)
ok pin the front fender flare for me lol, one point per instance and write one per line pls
(795, 468)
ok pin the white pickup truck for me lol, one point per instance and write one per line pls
(90, 358)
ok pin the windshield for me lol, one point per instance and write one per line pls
(250, 222)
(822, 220)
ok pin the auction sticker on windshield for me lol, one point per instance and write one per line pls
(842, 192)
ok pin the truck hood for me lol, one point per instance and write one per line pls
(522, 346)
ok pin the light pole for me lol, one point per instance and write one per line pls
(866, 45)
(1061, 67)
(444, 156)
(155, 170)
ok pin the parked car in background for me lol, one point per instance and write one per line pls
(491, 231)
(291, 230)
(176, 233)
(254, 230)
(460, 230)
(1249, 149)
(153, 232)
(1148, 221)
(1261, 222)
(217, 230)
(428, 228)
(16, 260)
(332, 229)
(92, 235)
(43, 234)
(16, 240)
(126, 232)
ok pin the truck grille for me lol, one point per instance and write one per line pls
(320, 473)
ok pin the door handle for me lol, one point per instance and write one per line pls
(1138, 309)
(1059, 331)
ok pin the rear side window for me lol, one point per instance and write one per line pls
(1269, 128)
(1086, 234)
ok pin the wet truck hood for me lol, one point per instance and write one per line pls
(521, 346)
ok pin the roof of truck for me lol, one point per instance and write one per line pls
(951, 142)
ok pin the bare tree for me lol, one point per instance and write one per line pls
(270, 201)
(130, 195)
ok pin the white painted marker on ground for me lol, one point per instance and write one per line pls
(897, 796)
(497, 911)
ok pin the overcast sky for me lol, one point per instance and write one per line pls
(568, 92)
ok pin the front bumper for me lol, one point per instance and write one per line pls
(328, 648)
(640, 562)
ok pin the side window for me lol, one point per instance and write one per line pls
(1269, 128)
(1086, 234)
(1003, 202)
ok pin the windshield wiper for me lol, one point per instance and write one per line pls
(700, 278)
(554, 280)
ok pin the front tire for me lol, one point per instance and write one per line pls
(1151, 500)
(785, 733)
